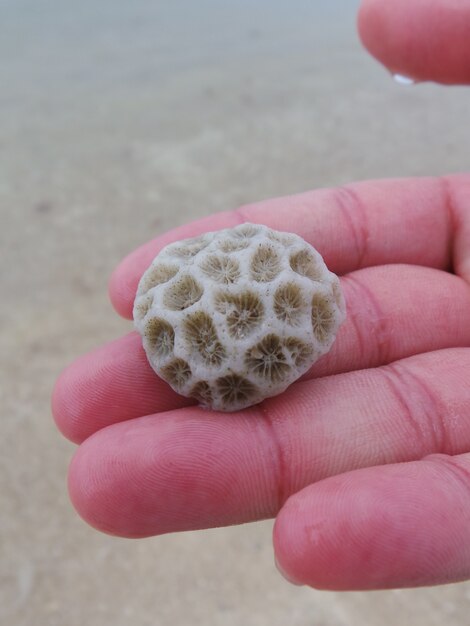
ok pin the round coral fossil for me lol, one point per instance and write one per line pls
(232, 317)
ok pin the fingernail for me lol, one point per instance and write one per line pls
(287, 576)
(406, 81)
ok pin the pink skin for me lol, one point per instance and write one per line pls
(341, 458)
(422, 39)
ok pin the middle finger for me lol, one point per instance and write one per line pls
(393, 312)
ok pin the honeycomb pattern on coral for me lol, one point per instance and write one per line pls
(235, 316)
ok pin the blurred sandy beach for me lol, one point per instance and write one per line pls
(118, 121)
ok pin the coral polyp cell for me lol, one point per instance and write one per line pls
(289, 303)
(200, 333)
(183, 293)
(232, 317)
(303, 262)
(222, 269)
(234, 389)
(159, 274)
(243, 311)
(265, 264)
(160, 336)
(268, 360)
(323, 316)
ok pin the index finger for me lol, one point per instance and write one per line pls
(370, 223)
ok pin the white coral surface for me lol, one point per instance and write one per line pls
(236, 316)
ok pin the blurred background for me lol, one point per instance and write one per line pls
(118, 121)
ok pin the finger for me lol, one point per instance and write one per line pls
(110, 384)
(423, 39)
(363, 224)
(394, 311)
(190, 469)
(402, 525)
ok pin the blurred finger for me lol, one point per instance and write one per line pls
(190, 469)
(421, 39)
(394, 311)
(402, 525)
(364, 224)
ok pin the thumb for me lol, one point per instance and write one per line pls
(427, 40)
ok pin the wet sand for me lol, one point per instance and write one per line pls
(125, 119)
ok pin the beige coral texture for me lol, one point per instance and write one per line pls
(235, 316)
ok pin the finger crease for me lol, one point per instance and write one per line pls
(433, 411)
(458, 471)
(277, 457)
(355, 216)
(377, 327)
(421, 409)
(452, 221)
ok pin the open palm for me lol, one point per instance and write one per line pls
(366, 461)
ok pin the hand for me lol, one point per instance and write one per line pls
(366, 462)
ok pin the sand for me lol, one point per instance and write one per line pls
(118, 120)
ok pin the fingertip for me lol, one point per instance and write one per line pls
(81, 496)
(62, 402)
(121, 289)
(384, 39)
(97, 488)
(285, 558)
(304, 543)
(422, 40)
(392, 526)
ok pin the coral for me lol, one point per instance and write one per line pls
(323, 316)
(246, 231)
(157, 275)
(143, 306)
(177, 373)
(235, 390)
(232, 317)
(222, 269)
(299, 351)
(267, 359)
(286, 239)
(304, 263)
(233, 245)
(288, 303)
(202, 392)
(265, 264)
(182, 294)
(190, 248)
(160, 336)
(200, 333)
(242, 311)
